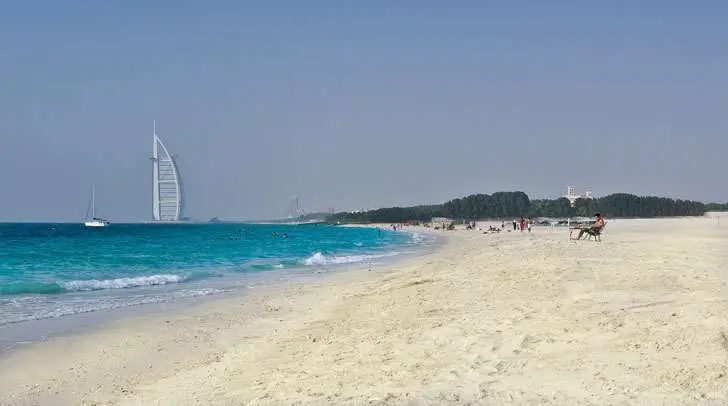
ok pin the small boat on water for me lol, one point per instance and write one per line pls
(94, 222)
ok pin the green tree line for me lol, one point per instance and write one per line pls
(508, 205)
(716, 207)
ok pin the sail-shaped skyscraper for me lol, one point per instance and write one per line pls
(167, 195)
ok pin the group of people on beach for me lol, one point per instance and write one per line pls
(521, 223)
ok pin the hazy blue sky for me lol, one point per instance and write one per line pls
(359, 103)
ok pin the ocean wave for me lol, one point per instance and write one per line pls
(321, 259)
(284, 264)
(42, 310)
(122, 283)
(20, 288)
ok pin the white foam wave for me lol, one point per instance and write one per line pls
(46, 308)
(122, 283)
(315, 259)
(320, 259)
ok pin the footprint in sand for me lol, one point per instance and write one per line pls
(496, 344)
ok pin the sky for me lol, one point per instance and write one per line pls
(357, 104)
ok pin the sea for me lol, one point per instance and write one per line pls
(50, 271)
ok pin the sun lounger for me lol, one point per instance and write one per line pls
(596, 233)
(589, 232)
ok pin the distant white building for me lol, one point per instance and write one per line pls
(359, 211)
(573, 196)
(167, 196)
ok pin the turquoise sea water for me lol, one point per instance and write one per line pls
(52, 270)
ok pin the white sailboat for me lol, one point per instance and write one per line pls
(94, 221)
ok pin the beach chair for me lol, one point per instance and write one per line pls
(576, 228)
(590, 232)
(596, 234)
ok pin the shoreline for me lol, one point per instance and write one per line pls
(501, 318)
(15, 335)
(261, 300)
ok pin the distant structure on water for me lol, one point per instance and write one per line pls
(167, 194)
(295, 211)
(297, 216)
(572, 195)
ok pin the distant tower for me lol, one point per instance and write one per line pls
(295, 211)
(571, 195)
(167, 196)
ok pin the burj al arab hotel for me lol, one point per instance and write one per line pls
(167, 195)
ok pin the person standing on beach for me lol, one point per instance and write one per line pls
(523, 224)
(515, 225)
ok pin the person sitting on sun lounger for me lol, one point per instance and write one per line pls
(593, 229)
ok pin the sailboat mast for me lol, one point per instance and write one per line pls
(93, 201)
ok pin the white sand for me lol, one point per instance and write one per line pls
(640, 318)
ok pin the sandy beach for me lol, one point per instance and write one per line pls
(517, 318)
